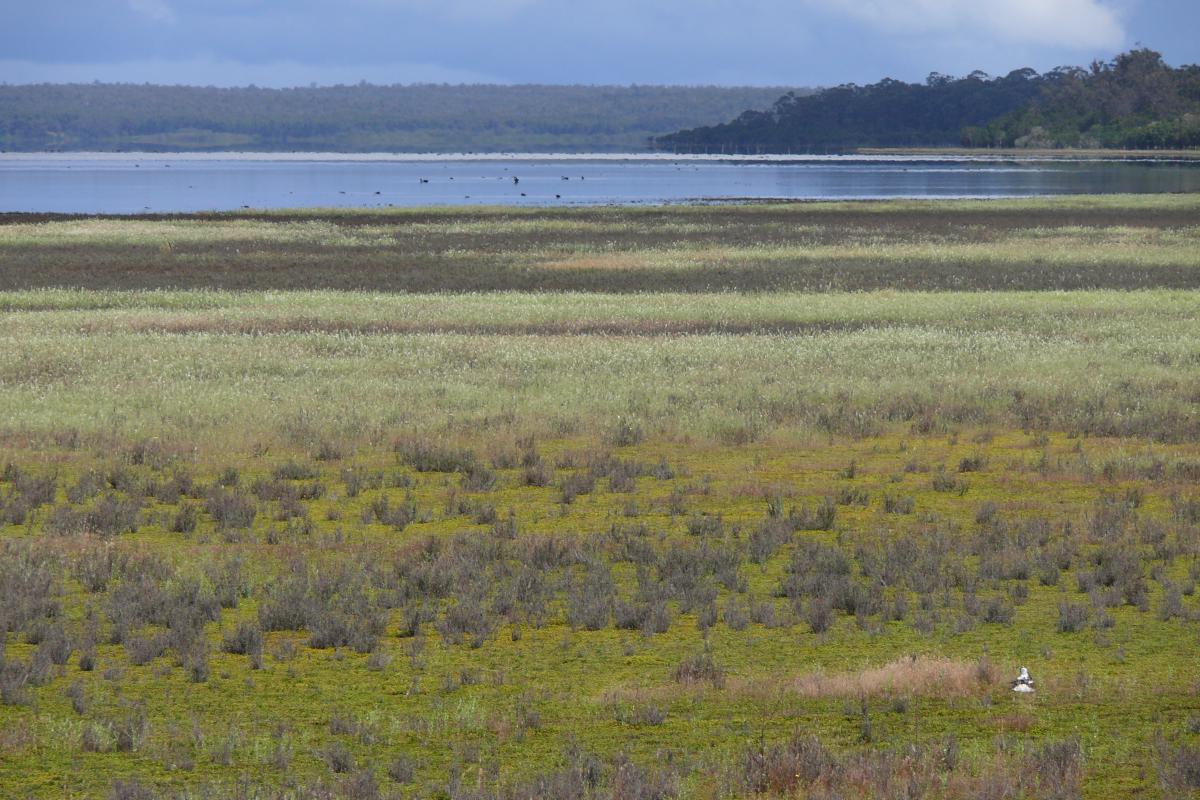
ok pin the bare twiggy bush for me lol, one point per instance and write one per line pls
(66, 521)
(144, 649)
(804, 767)
(997, 610)
(131, 789)
(627, 433)
(898, 504)
(768, 538)
(195, 661)
(230, 509)
(506, 528)
(246, 639)
(14, 680)
(88, 485)
(1179, 768)
(590, 599)
(1072, 617)
(818, 613)
(185, 519)
(228, 583)
(973, 463)
(399, 517)
(700, 668)
(358, 480)
(537, 474)
(402, 769)
(780, 769)
(339, 758)
(1109, 517)
(478, 478)
(943, 481)
(575, 484)
(55, 643)
(427, 456)
(818, 518)
(112, 515)
(29, 587)
(359, 785)
(95, 738)
(852, 496)
(467, 621)
(735, 614)
(341, 612)
(130, 727)
(1171, 606)
(295, 471)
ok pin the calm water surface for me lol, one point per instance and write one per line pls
(129, 183)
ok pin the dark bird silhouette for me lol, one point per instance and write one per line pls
(516, 180)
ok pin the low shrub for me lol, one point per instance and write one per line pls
(1072, 617)
(230, 509)
(700, 668)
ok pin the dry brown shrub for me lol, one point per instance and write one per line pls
(919, 675)
(912, 675)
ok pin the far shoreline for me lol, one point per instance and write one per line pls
(1035, 154)
(849, 155)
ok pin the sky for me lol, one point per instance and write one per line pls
(734, 42)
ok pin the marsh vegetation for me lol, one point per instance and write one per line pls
(260, 542)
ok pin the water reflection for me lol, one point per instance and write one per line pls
(130, 183)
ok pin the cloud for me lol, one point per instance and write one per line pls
(456, 9)
(156, 10)
(1078, 24)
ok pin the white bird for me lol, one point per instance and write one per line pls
(1023, 683)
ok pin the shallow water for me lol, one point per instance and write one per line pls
(130, 183)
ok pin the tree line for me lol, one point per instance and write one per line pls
(359, 118)
(1135, 100)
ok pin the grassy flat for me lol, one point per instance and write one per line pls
(766, 500)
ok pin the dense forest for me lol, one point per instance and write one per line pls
(1133, 101)
(415, 118)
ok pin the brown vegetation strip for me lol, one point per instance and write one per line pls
(912, 676)
(611, 250)
(922, 675)
(565, 327)
(864, 213)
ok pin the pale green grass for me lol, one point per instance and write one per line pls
(220, 367)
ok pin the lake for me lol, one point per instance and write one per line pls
(131, 182)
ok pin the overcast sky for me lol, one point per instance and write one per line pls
(762, 42)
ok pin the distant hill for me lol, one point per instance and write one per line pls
(1133, 101)
(361, 118)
